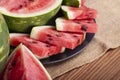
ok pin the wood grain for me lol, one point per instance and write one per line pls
(105, 68)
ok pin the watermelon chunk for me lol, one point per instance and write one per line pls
(23, 65)
(79, 13)
(49, 35)
(88, 26)
(40, 49)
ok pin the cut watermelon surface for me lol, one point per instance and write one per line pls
(25, 6)
(79, 13)
(77, 25)
(49, 35)
(40, 49)
(23, 65)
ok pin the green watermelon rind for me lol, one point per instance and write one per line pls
(66, 12)
(24, 23)
(4, 43)
(73, 3)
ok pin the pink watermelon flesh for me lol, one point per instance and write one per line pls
(77, 25)
(81, 13)
(51, 36)
(40, 49)
(25, 6)
(22, 65)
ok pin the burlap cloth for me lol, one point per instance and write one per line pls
(107, 37)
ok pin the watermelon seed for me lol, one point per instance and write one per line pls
(58, 35)
(34, 42)
(90, 12)
(75, 36)
(84, 28)
(13, 63)
(78, 41)
(47, 42)
(88, 22)
(48, 45)
(49, 35)
(20, 6)
(50, 39)
(31, 0)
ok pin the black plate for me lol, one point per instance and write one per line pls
(68, 53)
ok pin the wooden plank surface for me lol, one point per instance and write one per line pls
(105, 68)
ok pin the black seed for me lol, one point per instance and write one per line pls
(75, 36)
(34, 42)
(31, 0)
(20, 6)
(88, 22)
(50, 39)
(90, 13)
(58, 35)
(48, 45)
(78, 41)
(84, 28)
(13, 63)
(49, 35)
(47, 42)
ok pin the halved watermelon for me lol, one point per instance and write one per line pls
(40, 50)
(21, 15)
(49, 35)
(79, 13)
(23, 65)
(88, 26)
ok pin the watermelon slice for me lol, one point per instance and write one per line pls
(41, 50)
(23, 65)
(49, 35)
(88, 26)
(21, 15)
(79, 13)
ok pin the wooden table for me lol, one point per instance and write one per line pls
(105, 68)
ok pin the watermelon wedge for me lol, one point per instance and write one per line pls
(79, 13)
(22, 15)
(39, 49)
(79, 26)
(23, 65)
(49, 35)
